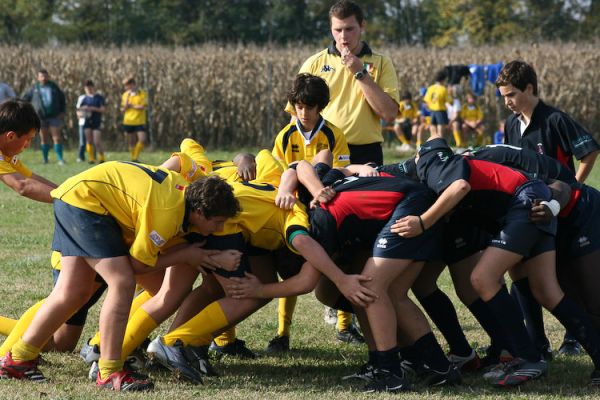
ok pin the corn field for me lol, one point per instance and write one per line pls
(233, 96)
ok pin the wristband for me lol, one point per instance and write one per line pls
(553, 205)
(421, 223)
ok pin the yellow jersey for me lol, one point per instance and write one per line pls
(261, 222)
(147, 202)
(471, 112)
(11, 165)
(436, 97)
(407, 110)
(132, 116)
(291, 145)
(347, 108)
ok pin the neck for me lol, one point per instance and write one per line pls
(528, 111)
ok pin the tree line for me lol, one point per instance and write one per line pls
(438, 23)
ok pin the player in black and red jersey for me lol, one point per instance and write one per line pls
(498, 195)
(542, 128)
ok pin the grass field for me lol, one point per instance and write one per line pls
(312, 370)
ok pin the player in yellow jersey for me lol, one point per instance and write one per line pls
(407, 121)
(472, 120)
(308, 134)
(436, 98)
(19, 124)
(134, 209)
(134, 106)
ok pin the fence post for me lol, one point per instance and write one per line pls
(149, 110)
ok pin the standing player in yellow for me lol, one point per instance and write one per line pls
(134, 209)
(407, 121)
(363, 84)
(436, 98)
(302, 139)
(134, 105)
(472, 120)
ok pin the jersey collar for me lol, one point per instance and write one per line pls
(316, 129)
(365, 51)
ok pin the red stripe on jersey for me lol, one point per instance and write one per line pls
(366, 205)
(386, 175)
(487, 175)
(575, 194)
(562, 157)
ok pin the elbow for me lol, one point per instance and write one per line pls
(463, 186)
(390, 115)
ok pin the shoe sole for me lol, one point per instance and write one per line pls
(179, 374)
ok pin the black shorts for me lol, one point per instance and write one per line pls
(288, 263)
(133, 128)
(518, 234)
(82, 233)
(579, 232)
(462, 239)
(79, 318)
(426, 246)
(439, 118)
(366, 153)
(95, 125)
(228, 242)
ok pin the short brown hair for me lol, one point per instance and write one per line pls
(343, 9)
(129, 80)
(18, 116)
(309, 90)
(213, 197)
(518, 74)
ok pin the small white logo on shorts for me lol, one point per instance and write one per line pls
(499, 241)
(459, 242)
(157, 239)
(583, 241)
(382, 244)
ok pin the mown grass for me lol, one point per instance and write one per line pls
(312, 370)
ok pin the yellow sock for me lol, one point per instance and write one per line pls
(101, 157)
(285, 314)
(138, 301)
(344, 320)
(7, 325)
(137, 150)
(209, 320)
(108, 367)
(457, 138)
(138, 328)
(20, 328)
(226, 337)
(403, 139)
(23, 351)
(89, 148)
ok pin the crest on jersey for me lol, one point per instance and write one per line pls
(369, 67)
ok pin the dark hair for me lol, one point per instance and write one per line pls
(441, 75)
(405, 95)
(310, 90)
(130, 80)
(89, 82)
(518, 74)
(43, 71)
(213, 197)
(343, 9)
(18, 116)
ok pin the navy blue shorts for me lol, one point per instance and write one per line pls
(95, 125)
(288, 263)
(579, 232)
(426, 246)
(82, 233)
(518, 234)
(79, 318)
(228, 242)
(439, 118)
(462, 239)
(133, 128)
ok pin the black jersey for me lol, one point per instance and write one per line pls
(553, 133)
(537, 165)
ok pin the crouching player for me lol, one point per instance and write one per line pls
(130, 211)
(501, 195)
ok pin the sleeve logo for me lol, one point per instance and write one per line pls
(157, 239)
